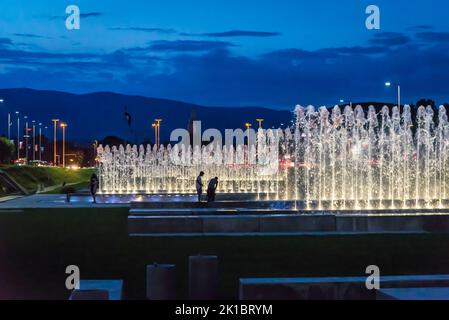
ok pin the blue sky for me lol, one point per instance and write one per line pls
(266, 53)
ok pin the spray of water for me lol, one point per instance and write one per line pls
(332, 159)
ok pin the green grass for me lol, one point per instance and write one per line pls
(39, 243)
(32, 177)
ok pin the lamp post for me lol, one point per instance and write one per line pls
(9, 126)
(34, 140)
(158, 129)
(388, 84)
(248, 126)
(55, 122)
(26, 139)
(260, 122)
(18, 134)
(154, 126)
(9, 121)
(63, 126)
(40, 141)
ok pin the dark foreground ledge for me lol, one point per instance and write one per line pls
(333, 288)
(148, 222)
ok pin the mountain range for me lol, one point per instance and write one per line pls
(94, 116)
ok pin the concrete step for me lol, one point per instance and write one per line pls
(250, 204)
(330, 288)
(186, 221)
(245, 223)
(207, 211)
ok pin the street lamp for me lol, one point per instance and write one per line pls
(40, 141)
(158, 130)
(248, 126)
(154, 126)
(26, 139)
(55, 122)
(260, 122)
(18, 134)
(63, 126)
(34, 140)
(9, 121)
(389, 84)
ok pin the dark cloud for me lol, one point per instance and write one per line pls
(188, 45)
(30, 35)
(282, 79)
(82, 15)
(421, 27)
(356, 50)
(235, 33)
(433, 37)
(91, 14)
(207, 72)
(298, 55)
(17, 55)
(389, 39)
(5, 42)
(150, 30)
(291, 54)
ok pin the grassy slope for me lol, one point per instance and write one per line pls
(39, 244)
(31, 177)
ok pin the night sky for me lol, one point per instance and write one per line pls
(229, 53)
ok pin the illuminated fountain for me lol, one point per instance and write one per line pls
(332, 159)
(353, 159)
(250, 169)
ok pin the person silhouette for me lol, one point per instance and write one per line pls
(199, 185)
(93, 183)
(211, 189)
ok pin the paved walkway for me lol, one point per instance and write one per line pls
(54, 201)
(55, 187)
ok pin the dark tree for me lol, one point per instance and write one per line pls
(113, 141)
(425, 103)
(6, 150)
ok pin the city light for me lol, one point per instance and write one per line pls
(63, 126)
(55, 122)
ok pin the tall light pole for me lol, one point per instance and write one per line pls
(9, 126)
(154, 126)
(388, 84)
(34, 140)
(248, 126)
(55, 122)
(18, 134)
(260, 122)
(26, 139)
(46, 135)
(40, 141)
(158, 129)
(9, 121)
(63, 126)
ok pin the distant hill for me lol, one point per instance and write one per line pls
(97, 115)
